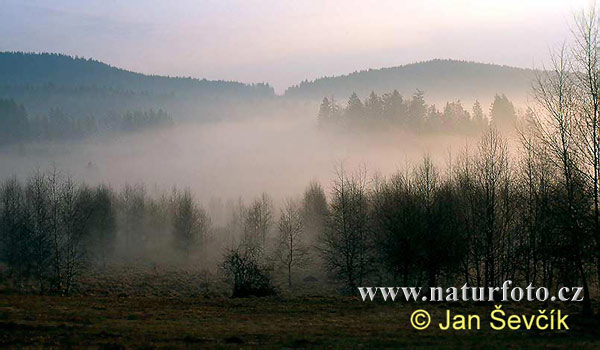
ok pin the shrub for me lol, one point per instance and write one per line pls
(246, 274)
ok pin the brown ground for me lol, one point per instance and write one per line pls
(78, 322)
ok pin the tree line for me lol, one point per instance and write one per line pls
(532, 218)
(17, 126)
(52, 229)
(484, 218)
(415, 114)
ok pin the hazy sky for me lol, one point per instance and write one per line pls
(283, 42)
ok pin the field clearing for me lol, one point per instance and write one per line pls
(91, 322)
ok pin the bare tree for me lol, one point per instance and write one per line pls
(70, 253)
(190, 223)
(492, 176)
(394, 224)
(557, 129)
(15, 233)
(103, 225)
(42, 206)
(346, 245)
(292, 250)
(536, 186)
(132, 207)
(586, 62)
(258, 221)
(314, 211)
(470, 219)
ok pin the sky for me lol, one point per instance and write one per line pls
(283, 42)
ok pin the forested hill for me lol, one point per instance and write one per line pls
(18, 69)
(80, 88)
(441, 80)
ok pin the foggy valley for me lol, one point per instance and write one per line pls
(176, 204)
(161, 136)
(229, 159)
(238, 148)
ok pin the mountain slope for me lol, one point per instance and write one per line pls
(83, 87)
(442, 80)
(80, 87)
(17, 69)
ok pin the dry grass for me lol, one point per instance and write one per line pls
(110, 322)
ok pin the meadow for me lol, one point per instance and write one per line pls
(284, 322)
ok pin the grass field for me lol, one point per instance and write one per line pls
(81, 322)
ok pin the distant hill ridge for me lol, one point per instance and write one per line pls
(20, 68)
(435, 77)
(80, 86)
(441, 79)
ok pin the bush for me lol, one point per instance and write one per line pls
(247, 275)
